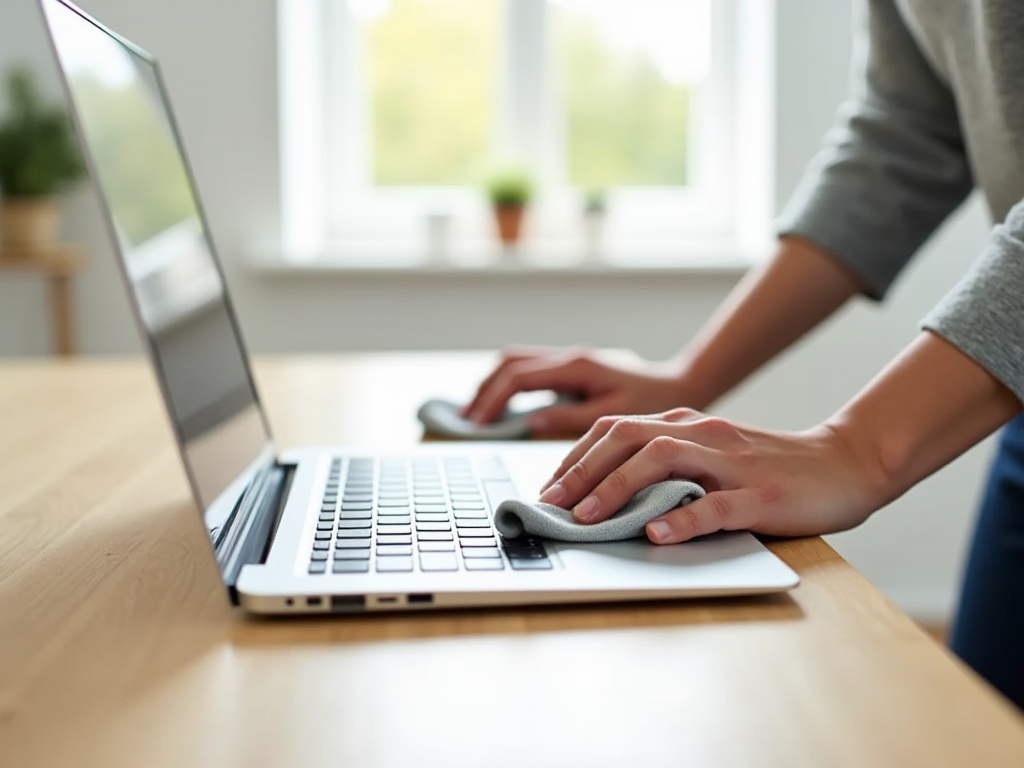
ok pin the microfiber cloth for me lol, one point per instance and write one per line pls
(513, 517)
(442, 418)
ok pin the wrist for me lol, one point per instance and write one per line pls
(694, 388)
(877, 461)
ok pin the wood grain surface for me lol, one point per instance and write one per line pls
(118, 646)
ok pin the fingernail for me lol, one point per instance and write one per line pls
(659, 530)
(587, 509)
(554, 495)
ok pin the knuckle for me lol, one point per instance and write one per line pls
(717, 428)
(689, 523)
(664, 448)
(721, 509)
(617, 483)
(680, 414)
(627, 429)
(580, 472)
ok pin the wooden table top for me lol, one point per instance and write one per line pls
(118, 646)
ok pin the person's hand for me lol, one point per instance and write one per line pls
(604, 388)
(783, 484)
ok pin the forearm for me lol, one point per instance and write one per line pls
(928, 406)
(771, 308)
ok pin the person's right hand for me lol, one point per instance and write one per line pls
(605, 388)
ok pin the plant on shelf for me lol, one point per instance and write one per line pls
(510, 191)
(38, 158)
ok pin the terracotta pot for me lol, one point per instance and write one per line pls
(509, 219)
(28, 225)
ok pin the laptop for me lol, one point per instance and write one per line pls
(315, 530)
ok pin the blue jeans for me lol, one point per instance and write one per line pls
(988, 632)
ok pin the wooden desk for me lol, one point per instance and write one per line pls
(118, 647)
(58, 266)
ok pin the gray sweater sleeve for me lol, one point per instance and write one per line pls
(892, 169)
(983, 315)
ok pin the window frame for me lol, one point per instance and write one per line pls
(330, 206)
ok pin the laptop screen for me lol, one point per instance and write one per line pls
(139, 169)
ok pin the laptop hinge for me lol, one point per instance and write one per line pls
(254, 524)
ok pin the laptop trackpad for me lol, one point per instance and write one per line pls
(727, 559)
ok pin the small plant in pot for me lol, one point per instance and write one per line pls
(510, 191)
(38, 158)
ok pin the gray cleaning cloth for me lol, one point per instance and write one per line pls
(442, 418)
(513, 517)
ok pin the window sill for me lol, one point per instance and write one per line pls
(710, 261)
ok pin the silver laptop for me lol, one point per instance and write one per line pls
(314, 530)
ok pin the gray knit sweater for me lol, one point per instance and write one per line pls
(939, 108)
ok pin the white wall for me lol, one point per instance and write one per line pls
(219, 60)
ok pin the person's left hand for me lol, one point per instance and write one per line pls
(776, 483)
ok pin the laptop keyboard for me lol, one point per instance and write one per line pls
(413, 514)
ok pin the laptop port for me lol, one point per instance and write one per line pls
(347, 603)
(421, 599)
(314, 601)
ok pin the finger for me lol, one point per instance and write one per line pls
(662, 458)
(529, 376)
(735, 510)
(577, 452)
(508, 358)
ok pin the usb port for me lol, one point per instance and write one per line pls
(422, 599)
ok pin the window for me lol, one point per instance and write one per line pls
(394, 111)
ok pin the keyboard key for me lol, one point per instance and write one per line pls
(532, 553)
(353, 543)
(353, 524)
(476, 533)
(360, 515)
(317, 567)
(325, 526)
(392, 564)
(431, 517)
(490, 542)
(481, 553)
(323, 535)
(530, 564)
(318, 556)
(321, 545)
(394, 501)
(393, 550)
(352, 554)
(430, 498)
(431, 508)
(356, 506)
(383, 538)
(433, 527)
(475, 514)
(350, 566)
(326, 517)
(393, 530)
(439, 561)
(354, 533)
(474, 523)
(484, 565)
(399, 520)
(394, 512)
(434, 536)
(436, 546)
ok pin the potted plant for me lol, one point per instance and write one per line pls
(38, 157)
(510, 191)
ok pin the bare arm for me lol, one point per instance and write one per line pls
(772, 307)
(928, 406)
